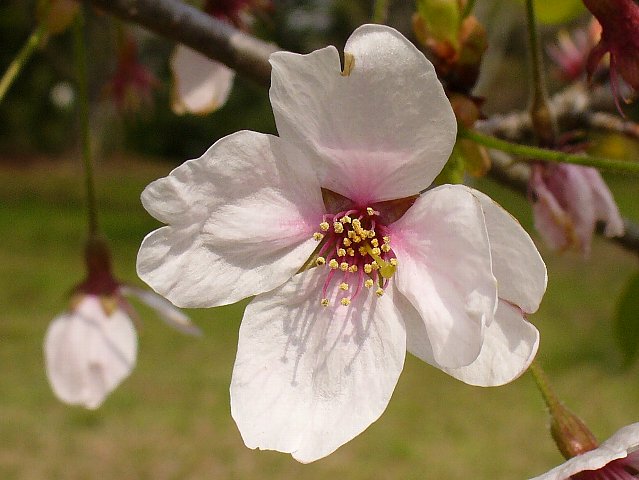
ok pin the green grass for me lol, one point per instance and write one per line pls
(171, 419)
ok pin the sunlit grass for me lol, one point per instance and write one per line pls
(171, 418)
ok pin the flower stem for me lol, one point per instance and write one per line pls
(380, 11)
(83, 97)
(542, 118)
(21, 59)
(533, 154)
(543, 385)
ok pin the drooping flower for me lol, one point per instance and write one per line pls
(92, 347)
(615, 459)
(568, 201)
(202, 85)
(133, 83)
(350, 264)
(619, 21)
(572, 49)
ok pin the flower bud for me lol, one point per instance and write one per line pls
(441, 19)
(569, 432)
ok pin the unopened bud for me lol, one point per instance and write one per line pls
(570, 433)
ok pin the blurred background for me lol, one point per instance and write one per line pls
(171, 418)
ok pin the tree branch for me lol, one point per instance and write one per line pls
(186, 24)
(249, 56)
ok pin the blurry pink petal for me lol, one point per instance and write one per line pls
(172, 316)
(615, 459)
(308, 378)
(88, 353)
(569, 200)
(200, 85)
(382, 130)
(241, 219)
(445, 271)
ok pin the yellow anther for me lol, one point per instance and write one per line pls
(318, 236)
(346, 242)
(371, 233)
(343, 286)
(356, 224)
(351, 234)
(375, 242)
(368, 283)
(324, 226)
(338, 227)
(346, 301)
(357, 238)
(352, 268)
(333, 264)
(341, 252)
(374, 265)
(319, 261)
(379, 292)
(393, 262)
(385, 248)
(351, 252)
(345, 219)
(363, 233)
(376, 252)
(343, 266)
(362, 251)
(324, 302)
(370, 211)
(368, 268)
(386, 239)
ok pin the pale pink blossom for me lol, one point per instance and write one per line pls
(568, 201)
(351, 266)
(90, 349)
(615, 459)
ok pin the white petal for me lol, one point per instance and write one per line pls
(88, 353)
(605, 206)
(172, 316)
(619, 445)
(517, 264)
(241, 219)
(444, 269)
(383, 131)
(307, 378)
(510, 344)
(200, 85)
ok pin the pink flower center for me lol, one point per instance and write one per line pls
(356, 249)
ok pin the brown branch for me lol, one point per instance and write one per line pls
(249, 56)
(188, 25)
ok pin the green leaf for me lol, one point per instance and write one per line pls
(626, 322)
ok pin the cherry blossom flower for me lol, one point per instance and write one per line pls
(90, 349)
(619, 21)
(568, 201)
(351, 266)
(615, 459)
(571, 51)
(202, 85)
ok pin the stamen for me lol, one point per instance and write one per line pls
(379, 292)
(324, 226)
(371, 212)
(351, 252)
(368, 283)
(374, 265)
(324, 302)
(345, 219)
(385, 248)
(346, 242)
(393, 262)
(333, 264)
(352, 268)
(319, 261)
(376, 252)
(343, 266)
(318, 236)
(375, 242)
(346, 301)
(338, 227)
(341, 252)
(368, 268)
(343, 286)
